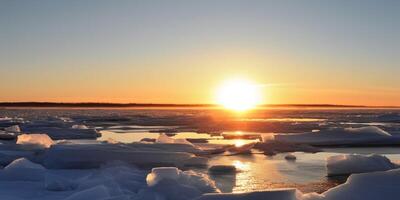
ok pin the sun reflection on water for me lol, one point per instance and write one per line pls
(241, 165)
(239, 143)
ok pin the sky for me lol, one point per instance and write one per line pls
(149, 51)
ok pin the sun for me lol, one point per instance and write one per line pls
(239, 95)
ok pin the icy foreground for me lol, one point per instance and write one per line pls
(67, 170)
(23, 179)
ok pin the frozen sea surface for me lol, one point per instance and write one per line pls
(256, 171)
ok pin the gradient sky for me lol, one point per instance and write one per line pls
(337, 52)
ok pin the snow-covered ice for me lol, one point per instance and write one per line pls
(13, 129)
(94, 155)
(35, 140)
(23, 179)
(61, 132)
(367, 186)
(353, 163)
(368, 135)
(22, 170)
(79, 126)
(180, 185)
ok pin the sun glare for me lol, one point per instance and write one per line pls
(239, 95)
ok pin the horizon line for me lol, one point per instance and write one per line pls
(113, 104)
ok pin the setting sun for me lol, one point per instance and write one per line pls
(239, 95)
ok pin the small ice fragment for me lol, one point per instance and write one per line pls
(165, 139)
(290, 157)
(22, 163)
(367, 186)
(160, 173)
(268, 137)
(13, 129)
(79, 126)
(353, 163)
(37, 140)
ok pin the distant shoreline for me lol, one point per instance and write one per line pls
(159, 105)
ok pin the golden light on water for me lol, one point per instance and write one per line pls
(239, 143)
(238, 132)
(241, 165)
(239, 95)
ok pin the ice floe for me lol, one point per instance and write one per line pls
(35, 140)
(79, 126)
(61, 132)
(368, 135)
(367, 186)
(13, 129)
(175, 184)
(353, 163)
(94, 155)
